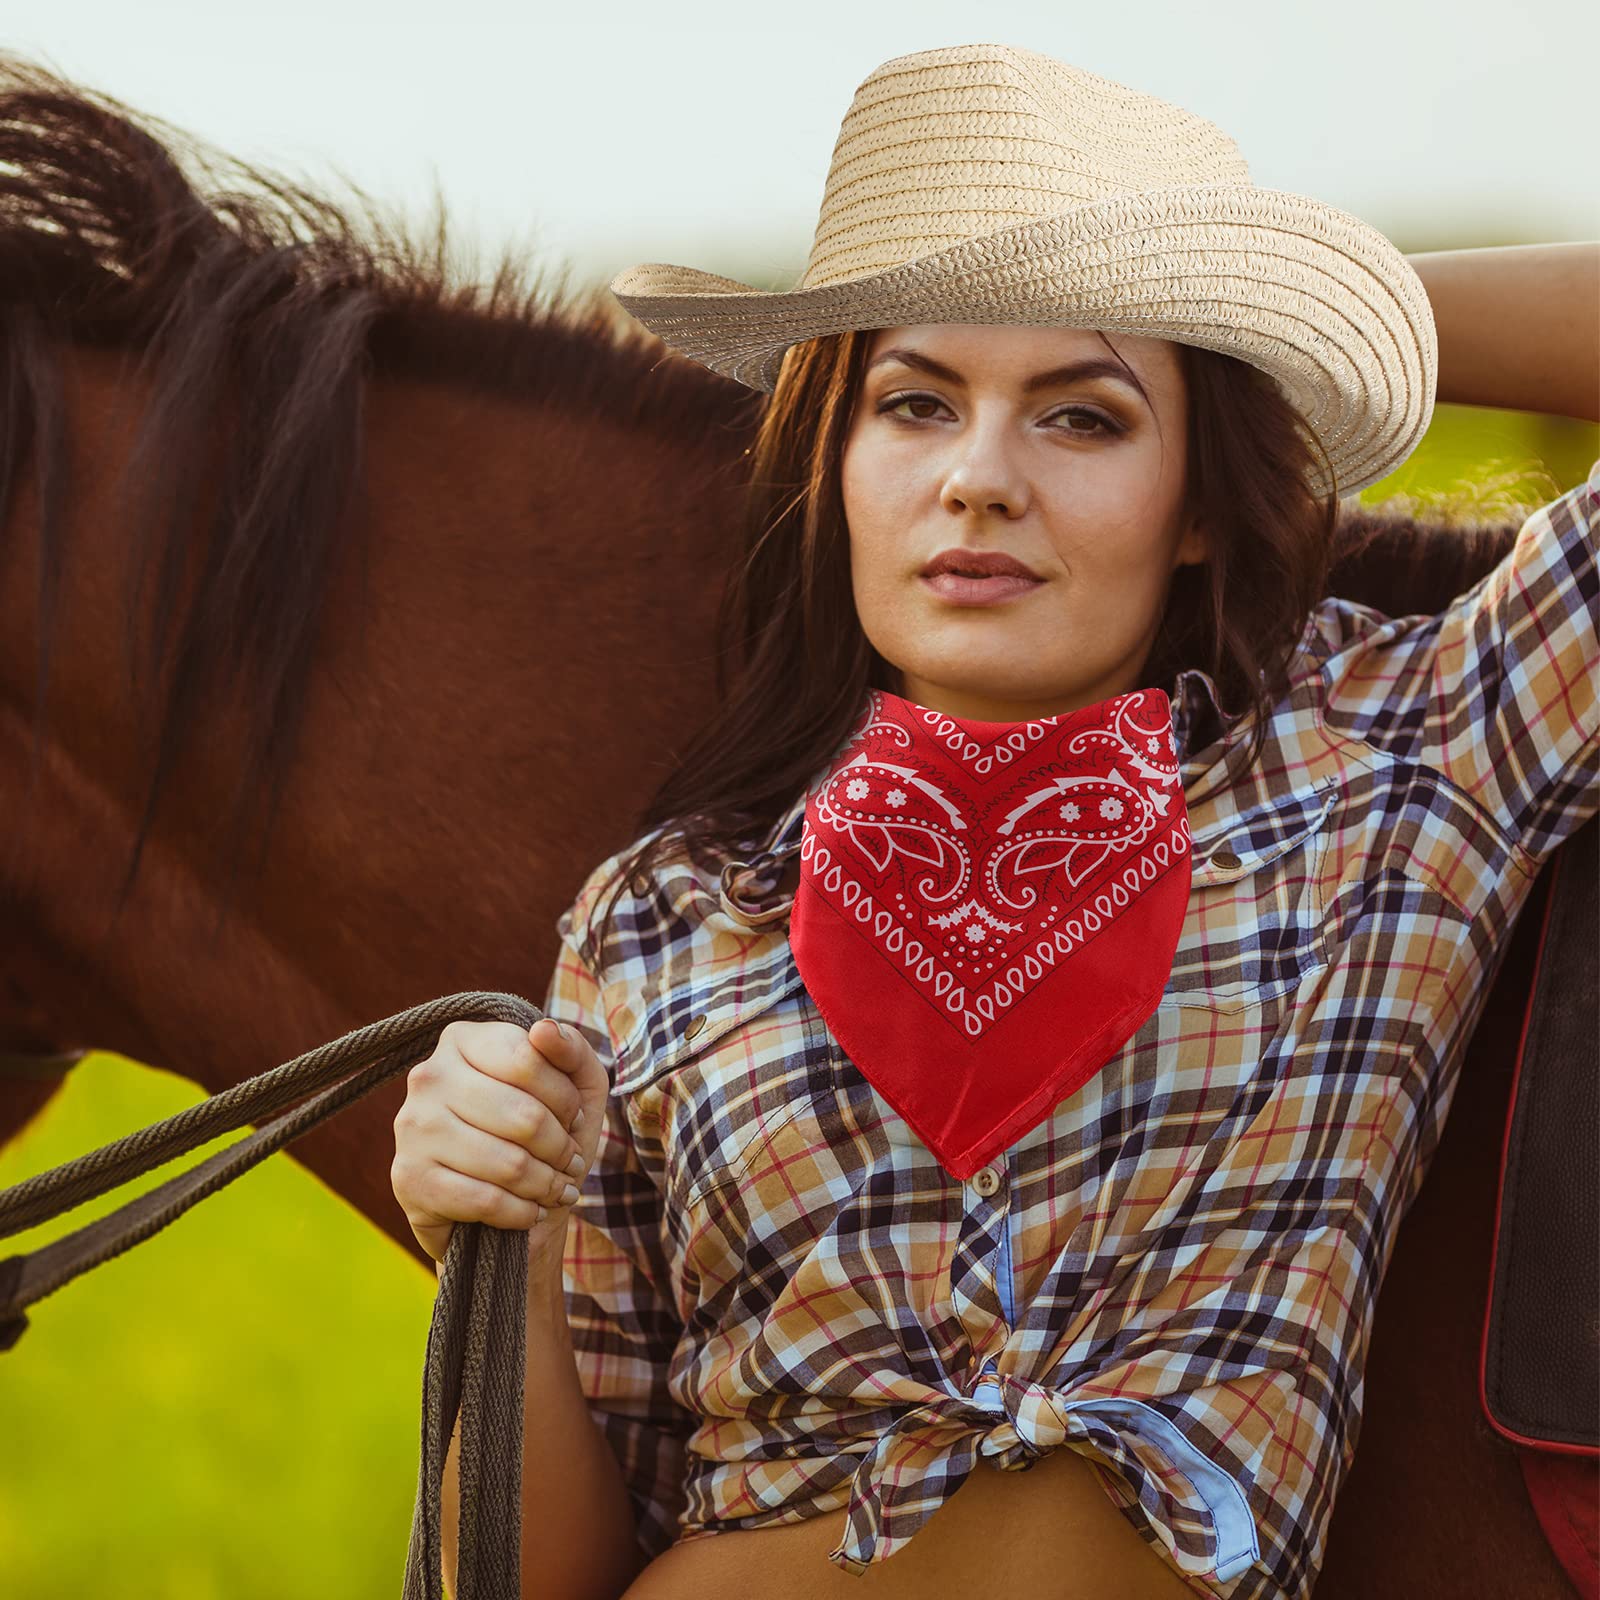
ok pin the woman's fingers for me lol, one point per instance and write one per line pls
(508, 1165)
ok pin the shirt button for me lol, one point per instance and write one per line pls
(1226, 859)
(640, 884)
(694, 1026)
(986, 1180)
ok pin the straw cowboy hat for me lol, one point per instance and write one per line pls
(986, 183)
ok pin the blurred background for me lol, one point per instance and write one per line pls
(232, 1410)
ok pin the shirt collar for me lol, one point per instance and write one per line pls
(1198, 722)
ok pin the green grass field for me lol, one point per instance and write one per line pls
(231, 1410)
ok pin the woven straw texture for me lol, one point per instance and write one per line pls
(991, 184)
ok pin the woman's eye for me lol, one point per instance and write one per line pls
(894, 403)
(1101, 424)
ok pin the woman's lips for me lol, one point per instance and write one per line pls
(965, 591)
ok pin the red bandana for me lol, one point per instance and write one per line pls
(988, 911)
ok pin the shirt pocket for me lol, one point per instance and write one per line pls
(720, 1062)
(1255, 926)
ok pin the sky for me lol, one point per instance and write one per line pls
(591, 138)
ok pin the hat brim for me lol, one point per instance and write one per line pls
(1313, 296)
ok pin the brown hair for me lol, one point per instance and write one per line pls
(802, 664)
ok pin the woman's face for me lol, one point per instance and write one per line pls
(973, 435)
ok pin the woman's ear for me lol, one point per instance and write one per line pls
(1194, 547)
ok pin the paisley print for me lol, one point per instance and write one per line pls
(987, 911)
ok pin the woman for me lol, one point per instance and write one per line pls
(1034, 1002)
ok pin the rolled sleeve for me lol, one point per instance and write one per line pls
(623, 1322)
(1500, 691)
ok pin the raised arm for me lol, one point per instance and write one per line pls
(1519, 326)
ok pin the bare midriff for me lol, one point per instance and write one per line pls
(1049, 1533)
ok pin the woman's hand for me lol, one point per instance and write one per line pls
(493, 1123)
(1519, 326)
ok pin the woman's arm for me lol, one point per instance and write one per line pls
(1519, 326)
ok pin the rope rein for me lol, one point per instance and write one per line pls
(476, 1340)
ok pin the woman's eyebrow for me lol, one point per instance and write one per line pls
(1072, 372)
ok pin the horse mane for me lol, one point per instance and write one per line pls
(250, 297)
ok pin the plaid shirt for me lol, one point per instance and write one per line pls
(783, 1308)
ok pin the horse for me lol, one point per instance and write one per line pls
(348, 614)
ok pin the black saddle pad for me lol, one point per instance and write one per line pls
(1541, 1362)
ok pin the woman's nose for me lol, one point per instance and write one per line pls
(984, 476)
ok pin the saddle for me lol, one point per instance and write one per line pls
(1540, 1368)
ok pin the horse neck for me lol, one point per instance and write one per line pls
(516, 612)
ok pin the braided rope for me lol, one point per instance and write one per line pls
(476, 1341)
